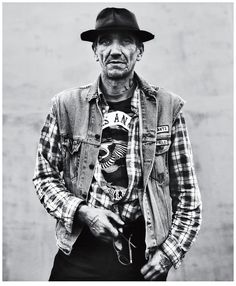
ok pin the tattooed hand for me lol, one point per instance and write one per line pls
(158, 264)
(103, 224)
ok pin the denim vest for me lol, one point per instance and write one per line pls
(80, 125)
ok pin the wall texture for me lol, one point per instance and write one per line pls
(191, 55)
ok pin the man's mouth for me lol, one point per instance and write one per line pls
(116, 62)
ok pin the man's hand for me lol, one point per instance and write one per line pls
(158, 264)
(103, 224)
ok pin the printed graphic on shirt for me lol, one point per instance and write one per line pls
(116, 118)
(112, 154)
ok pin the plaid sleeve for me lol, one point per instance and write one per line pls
(49, 184)
(185, 194)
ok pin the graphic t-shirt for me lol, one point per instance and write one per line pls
(117, 178)
(112, 154)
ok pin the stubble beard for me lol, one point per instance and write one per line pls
(117, 74)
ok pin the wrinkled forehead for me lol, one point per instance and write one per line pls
(118, 35)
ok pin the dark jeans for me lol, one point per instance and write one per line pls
(94, 260)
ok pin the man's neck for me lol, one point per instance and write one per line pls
(118, 89)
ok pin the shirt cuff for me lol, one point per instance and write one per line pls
(69, 210)
(173, 250)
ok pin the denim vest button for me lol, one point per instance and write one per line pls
(91, 166)
(97, 136)
(84, 196)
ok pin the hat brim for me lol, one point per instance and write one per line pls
(91, 35)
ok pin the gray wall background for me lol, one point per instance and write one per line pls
(191, 55)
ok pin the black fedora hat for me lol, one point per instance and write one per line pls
(116, 19)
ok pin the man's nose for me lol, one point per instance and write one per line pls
(115, 49)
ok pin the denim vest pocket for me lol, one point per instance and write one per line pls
(160, 166)
(71, 153)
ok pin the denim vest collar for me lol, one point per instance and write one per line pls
(142, 84)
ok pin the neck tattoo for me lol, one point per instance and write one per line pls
(129, 85)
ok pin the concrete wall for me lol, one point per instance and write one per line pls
(192, 55)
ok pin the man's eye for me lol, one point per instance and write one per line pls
(105, 42)
(127, 41)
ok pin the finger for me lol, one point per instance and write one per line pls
(112, 230)
(109, 228)
(146, 268)
(155, 276)
(152, 274)
(115, 218)
(149, 274)
(102, 233)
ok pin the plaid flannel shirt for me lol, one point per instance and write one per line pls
(62, 205)
(185, 193)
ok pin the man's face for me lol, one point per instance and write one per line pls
(117, 53)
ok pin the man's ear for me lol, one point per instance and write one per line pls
(141, 50)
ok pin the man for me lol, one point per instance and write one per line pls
(114, 167)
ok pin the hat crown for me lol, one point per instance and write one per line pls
(116, 18)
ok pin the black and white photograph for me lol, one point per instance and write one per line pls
(117, 141)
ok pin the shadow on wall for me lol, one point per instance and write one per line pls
(187, 56)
